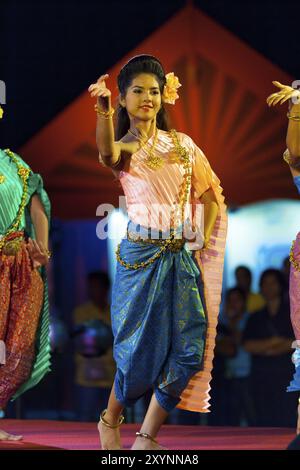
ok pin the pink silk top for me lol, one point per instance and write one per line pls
(151, 194)
(144, 187)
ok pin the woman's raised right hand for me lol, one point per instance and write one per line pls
(100, 90)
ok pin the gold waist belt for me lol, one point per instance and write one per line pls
(171, 243)
(12, 244)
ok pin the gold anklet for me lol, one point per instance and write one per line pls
(112, 426)
(146, 436)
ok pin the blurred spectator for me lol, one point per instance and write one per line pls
(237, 360)
(285, 269)
(94, 375)
(268, 337)
(243, 278)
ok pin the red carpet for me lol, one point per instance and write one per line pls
(58, 435)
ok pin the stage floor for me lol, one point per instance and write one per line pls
(58, 435)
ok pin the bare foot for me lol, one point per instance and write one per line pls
(109, 438)
(142, 443)
(5, 436)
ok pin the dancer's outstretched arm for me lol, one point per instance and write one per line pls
(109, 150)
(292, 155)
(292, 95)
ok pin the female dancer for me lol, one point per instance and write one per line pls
(24, 223)
(292, 158)
(164, 328)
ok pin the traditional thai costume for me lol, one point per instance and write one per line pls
(295, 301)
(24, 311)
(165, 299)
(291, 93)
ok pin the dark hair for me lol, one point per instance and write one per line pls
(245, 269)
(101, 277)
(236, 290)
(135, 66)
(275, 273)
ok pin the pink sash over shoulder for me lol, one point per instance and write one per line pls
(210, 261)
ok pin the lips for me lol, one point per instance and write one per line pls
(146, 107)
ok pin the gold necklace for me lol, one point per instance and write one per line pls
(23, 173)
(152, 161)
(2, 178)
(170, 243)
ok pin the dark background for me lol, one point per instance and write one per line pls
(51, 50)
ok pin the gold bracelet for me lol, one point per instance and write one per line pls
(294, 162)
(286, 158)
(104, 114)
(294, 117)
(49, 254)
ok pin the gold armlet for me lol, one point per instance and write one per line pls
(294, 117)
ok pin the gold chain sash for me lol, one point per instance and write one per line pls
(293, 260)
(23, 173)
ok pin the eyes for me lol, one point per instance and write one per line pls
(153, 92)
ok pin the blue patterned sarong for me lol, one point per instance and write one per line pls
(295, 383)
(158, 322)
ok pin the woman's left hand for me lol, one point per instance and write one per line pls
(38, 253)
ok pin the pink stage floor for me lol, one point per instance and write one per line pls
(58, 435)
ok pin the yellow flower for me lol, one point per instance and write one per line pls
(170, 89)
(1, 112)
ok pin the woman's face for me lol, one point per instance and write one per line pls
(270, 288)
(236, 304)
(143, 98)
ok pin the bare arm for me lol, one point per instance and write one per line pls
(293, 140)
(293, 132)
(282, 347)
(210, 213)
(109, 150)
(260, 346)
(292, 95)
(38, 249)
(40, 221)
